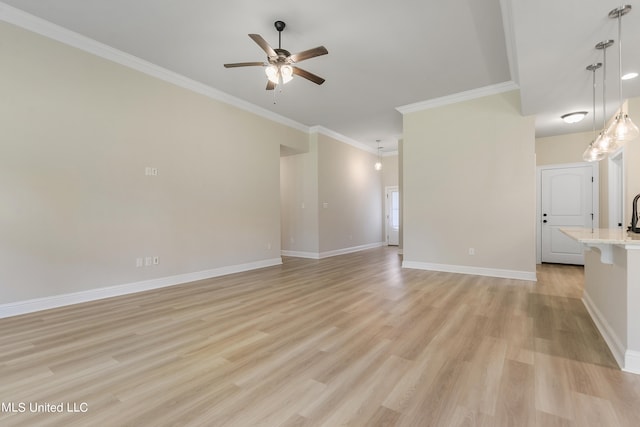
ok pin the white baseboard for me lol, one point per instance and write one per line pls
(301, 254)
(613, 341)
(38, 304)
(476, 271)
(632, 362)
(350, 250)
(327, 254)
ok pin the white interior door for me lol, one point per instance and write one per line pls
(392, 208)
(566, 202)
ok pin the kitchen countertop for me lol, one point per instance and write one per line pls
(604, 239)
(610, 236)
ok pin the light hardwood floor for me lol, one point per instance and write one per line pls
(350, 340)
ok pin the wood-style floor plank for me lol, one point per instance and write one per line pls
(350, 340)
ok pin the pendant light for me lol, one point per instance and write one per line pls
(592, 154)
(604, 142)
(622, 129)
(378, 164)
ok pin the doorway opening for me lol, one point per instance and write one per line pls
(392, 215)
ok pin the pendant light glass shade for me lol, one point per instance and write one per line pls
(622, 129)
(592, 154)
(605, 143)
(378, 165)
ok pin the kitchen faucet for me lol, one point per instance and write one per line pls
(634, 216)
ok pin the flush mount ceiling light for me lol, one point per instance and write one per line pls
(592, 154)
(622, 129)
(629, 76)
(574, 117)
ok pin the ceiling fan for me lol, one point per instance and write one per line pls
(280, 66)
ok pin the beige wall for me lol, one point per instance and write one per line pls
(331, 199)
(349, 196)
(470, 186)
(390, 171)
(299, 201)
(76, 208)
(562, 148)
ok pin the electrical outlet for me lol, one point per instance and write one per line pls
(156, 260)
(472, 251)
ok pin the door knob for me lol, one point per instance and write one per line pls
(544, 221)
(544, 214)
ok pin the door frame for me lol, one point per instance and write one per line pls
(616, 189)
(595, 170)
(387, 205)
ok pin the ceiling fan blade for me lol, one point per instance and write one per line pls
(270, 85)
(311, 53)
(307, 75)
(245, 64)
(263, 44)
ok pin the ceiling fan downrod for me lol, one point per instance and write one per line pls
(280, 27)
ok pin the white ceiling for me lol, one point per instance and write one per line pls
(382, 54)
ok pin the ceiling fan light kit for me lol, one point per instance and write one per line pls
(280, 67)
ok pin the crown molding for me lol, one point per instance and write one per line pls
(55, 32)
(510, 38)
(459, 97)
(344, 139)
(63, 35)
